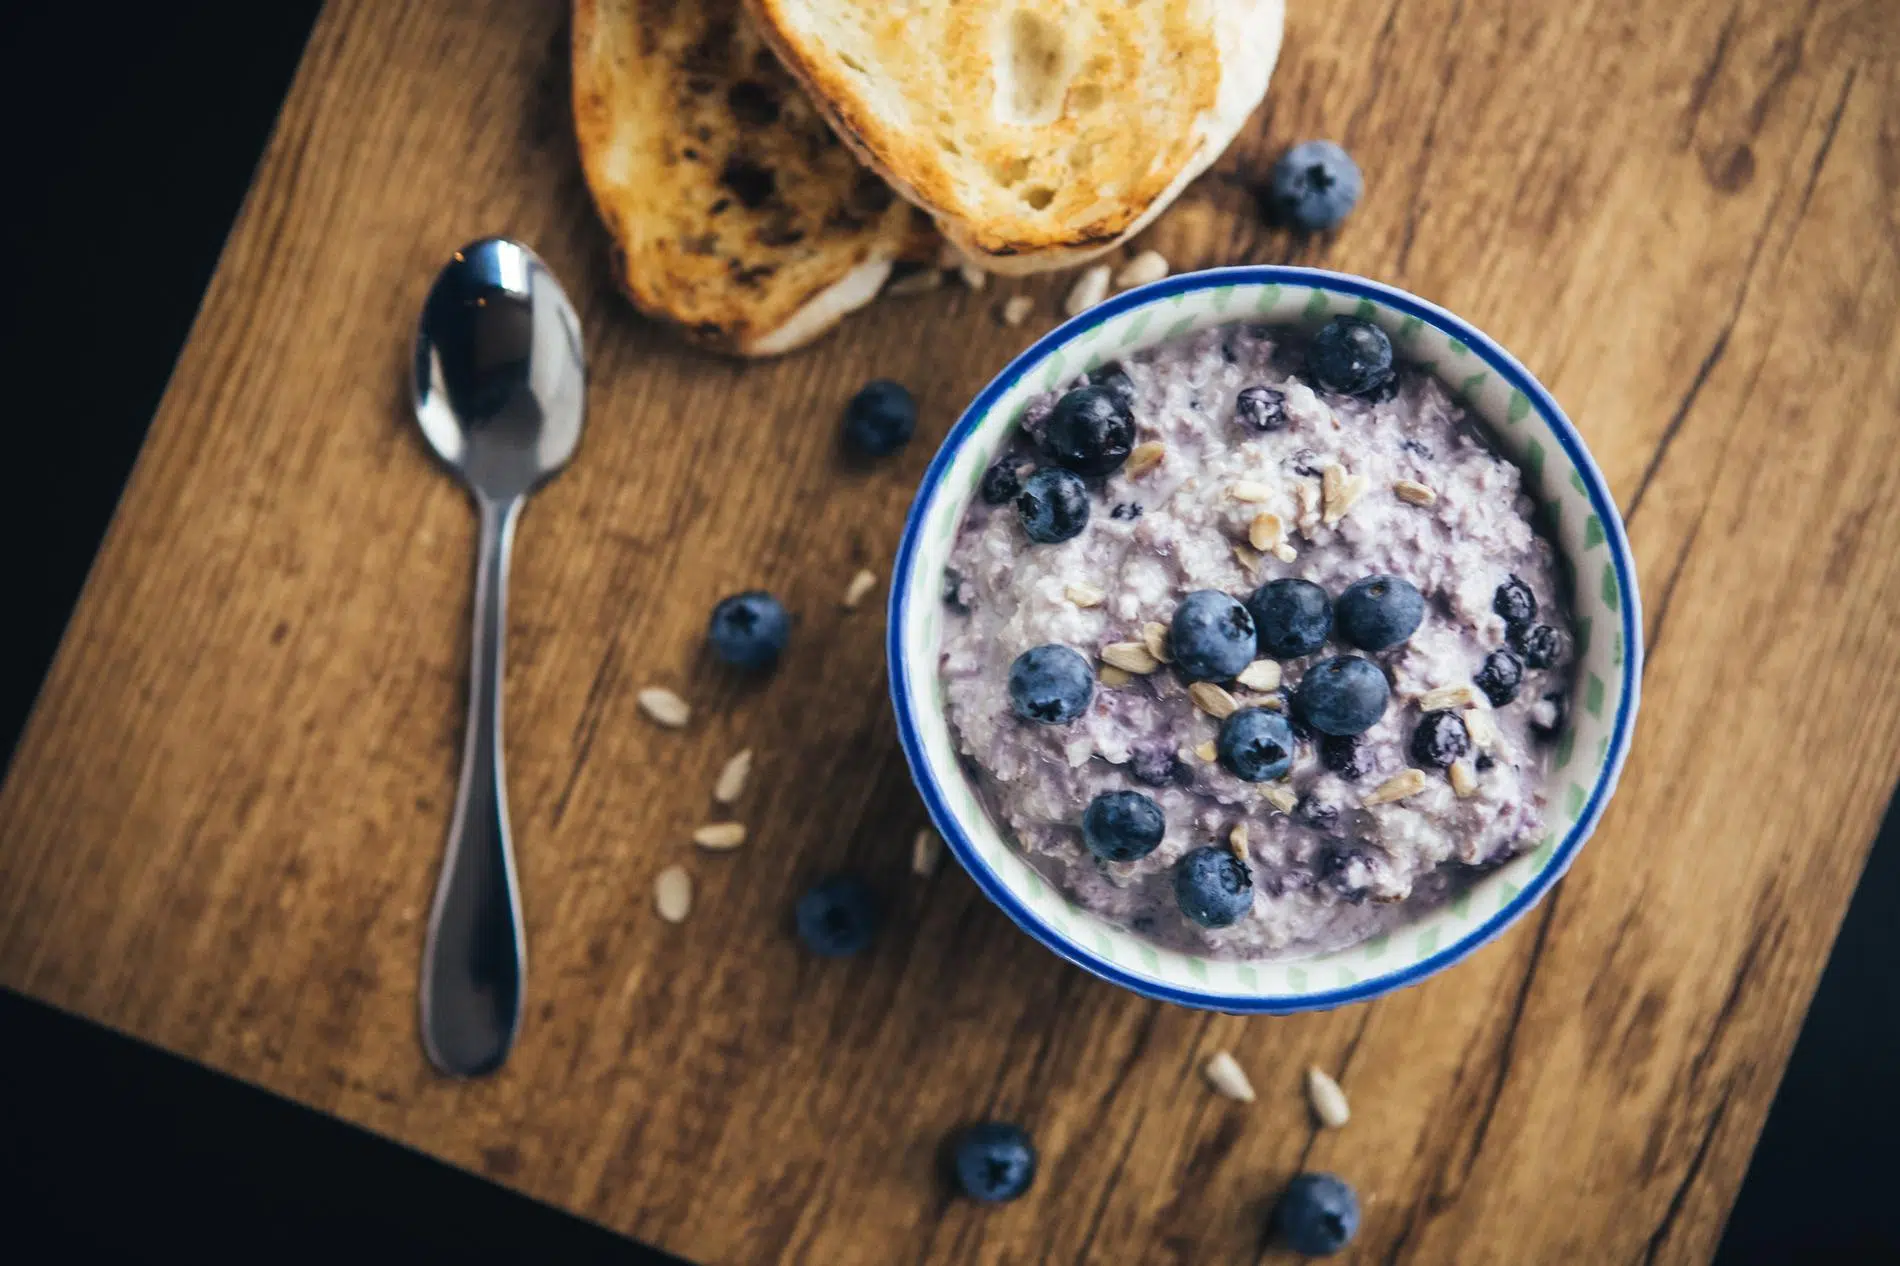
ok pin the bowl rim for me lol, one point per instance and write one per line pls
(1595, 488)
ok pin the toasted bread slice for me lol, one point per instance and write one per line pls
(733, 208)
(1037, 134)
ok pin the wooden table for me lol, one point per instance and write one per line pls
(222, 828)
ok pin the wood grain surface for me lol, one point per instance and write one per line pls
(222, 828)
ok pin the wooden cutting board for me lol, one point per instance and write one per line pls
(222, 829)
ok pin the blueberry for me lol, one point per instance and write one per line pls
(748, 630)
(1347, 869)
(1001, 482)
(1321, 815)
(1342, 695)
(1260, 409)
(1343, 754)
(1440, 739)
(838, 917)
(1350, 356)
(1318, 1215)
(1126, 512)
(1293, 617)
(1499, 677)
(1113, 379)
(1050, 685)
(1255, 745)
(1156, 765)
(1054, 506)
(1547, 715)
(1539, 644)
(1314, 186)
(994, 1162)
(1514, 601)
(1213, 887)
(1122, 826)
(1212, 636)
(1378, 612)
(1090, 431)
(880, 418)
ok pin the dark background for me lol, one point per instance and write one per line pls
(132, 132)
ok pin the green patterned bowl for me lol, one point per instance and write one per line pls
(1558, 471)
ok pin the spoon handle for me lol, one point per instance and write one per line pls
(475, 955)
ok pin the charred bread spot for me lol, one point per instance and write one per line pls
(753, 103)
(752, 184)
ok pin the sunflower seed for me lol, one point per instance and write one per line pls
(1237, 841)
(1407, 782)
(1154, 635)
(1146, 456)
(1280, 798)
(861, 584)
(1225, 1074)
(1285, 552)
(1266, 532)
(1251, 491)
(1142, 269)
(1083, 594)
(973, 277)
(664, 707)
(720, 836)
(1213, 700)
(1328, 1100)
(926, 852)
(1411, 490)
(1207, 751)
(733, 775)
(1309, 497)
(1130, 657)
(673, 894)
(1338, 492)
(1262, 674)
(1016, 309)
(1464, 779)
(1248, 558)
(1112, 677)
(1465, 696)
(1089, 289)
(1483, 731)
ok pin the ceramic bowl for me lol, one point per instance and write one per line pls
(1558, 471)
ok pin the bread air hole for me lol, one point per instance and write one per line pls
(1039, 197)
(1032, 68)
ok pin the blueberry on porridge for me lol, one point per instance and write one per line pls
(1251, 645)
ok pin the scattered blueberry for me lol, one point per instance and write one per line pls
(1001, 482)
(1514, 601)
(1440, 739)
(1342, 695)
(1378, 612)
(880, 418)
(1314, 186)
(1054, 506)
(1212, 636)
(1321, 815)
(838, 917)
(1050, 685)
(1547, 715)
(1115, 380)
(1212, 887)
(1499, 676)
(1156, 765)
(1342, 754)
(748, 630)
(1122, 826)
(1126, 512)
(1347, 869)
(1090, 431)
(1317, 1215)
(1350, 356)
(1292, 617)
(1255, 745)
(1260, 409)
(1539, 644)
(994, 1162)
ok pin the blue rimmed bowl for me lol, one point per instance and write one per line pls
(1558, 471)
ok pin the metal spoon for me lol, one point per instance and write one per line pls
(500, 392)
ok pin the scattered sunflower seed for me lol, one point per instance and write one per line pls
(926, 852)
(1411, 490)
(1225, 1074)
(1016, 309)
(1142, 269)
(1213, 700)
(1308, 494)
(861, 585)
(1146, 456)
(1237, 841)
(1262, 674)
(1464, 779)
(1407, 782)
(1285, 552)
(1250, 490)
(1154, 635)
(664, 707)
(720, 836)
(973, 277)
(1112, 677)
(1266, 533)
(673, 894)
(1089, 289)
(1207, 751)
(1328, 1100)
(1463, 696)
(1280, 798)
(1483, 731)
(1083, 594)
(733, 776)
(1130, 657)
(1248, 558)
(1338, 493)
